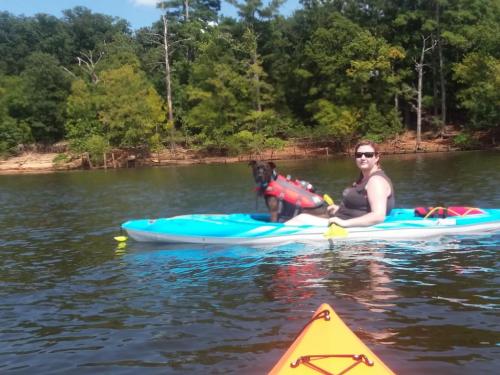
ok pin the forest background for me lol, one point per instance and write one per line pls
(333, 72)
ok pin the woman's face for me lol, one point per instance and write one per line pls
(366, 158)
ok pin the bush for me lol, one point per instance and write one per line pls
(96, 146)
(378, 126)
(61, 159)
(465, 141)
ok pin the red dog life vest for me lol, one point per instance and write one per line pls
(292, 195)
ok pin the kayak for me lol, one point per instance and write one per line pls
(327, 346)
(255, 229)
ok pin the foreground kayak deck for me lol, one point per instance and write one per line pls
(327, 346)
(256, 229)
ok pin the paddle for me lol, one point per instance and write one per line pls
(121, 238)
(333, 231)
(328, 199)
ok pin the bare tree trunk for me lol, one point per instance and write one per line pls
(435, 92)
(419, 67)
(441, 69)
(168, 82)
(257, 84)
(420, 71)
(186, 10)
(168, 78)
(443, 85)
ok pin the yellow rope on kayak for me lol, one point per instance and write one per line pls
(450, 210)
(306, 360)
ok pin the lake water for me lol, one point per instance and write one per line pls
(72, 302)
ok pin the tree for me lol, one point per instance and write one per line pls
(349, 68)
(479, 75)
(339, 123)
(88, 30)
(129, 107)
(252, 10)
(219, 93)
(13, 132)
(123, 108)
(83, 115)
(203, 10)
(45, 88)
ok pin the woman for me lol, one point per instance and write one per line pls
(370, 198)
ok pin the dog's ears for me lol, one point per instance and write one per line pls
(252, 163)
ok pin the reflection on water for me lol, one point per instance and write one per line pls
(73, 300)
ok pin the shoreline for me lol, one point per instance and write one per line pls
(43, 162)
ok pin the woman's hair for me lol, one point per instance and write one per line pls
(367, 143)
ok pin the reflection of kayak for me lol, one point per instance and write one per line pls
(328, 347)
(254, 229)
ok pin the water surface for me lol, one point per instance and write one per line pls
(74, 302)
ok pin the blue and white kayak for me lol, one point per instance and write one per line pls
(256, 229)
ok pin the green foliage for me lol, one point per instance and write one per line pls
(61, 159)
(45, 88)
(89, 29)
(205, 10)
(480, 94)
(82, 115)
(334, 70)
(267, 122)
(246, 142)
(124, 108)
(129, 107)
(218, 94)
(376, 126)
(13, 132)
(96, 146)
(274, 144)
(334, 121)
(241, 142)
(121, 50)
(465, 141)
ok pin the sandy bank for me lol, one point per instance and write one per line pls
(36, 162)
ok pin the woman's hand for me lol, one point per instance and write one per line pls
(337, 221)
(331, 209)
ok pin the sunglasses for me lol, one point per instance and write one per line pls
(366, 154)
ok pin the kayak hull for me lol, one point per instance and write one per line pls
(253, 229)
(327, 346)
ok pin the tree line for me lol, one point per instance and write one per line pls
(333, 72)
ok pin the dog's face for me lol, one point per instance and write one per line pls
(263, 171)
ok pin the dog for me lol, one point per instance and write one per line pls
(284, 197)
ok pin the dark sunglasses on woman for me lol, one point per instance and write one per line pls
(367, 154)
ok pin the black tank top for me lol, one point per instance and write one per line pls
(355, 199)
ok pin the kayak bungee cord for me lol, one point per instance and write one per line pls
(306, 360)
(323, 314)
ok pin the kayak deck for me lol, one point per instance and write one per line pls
(327, 346)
